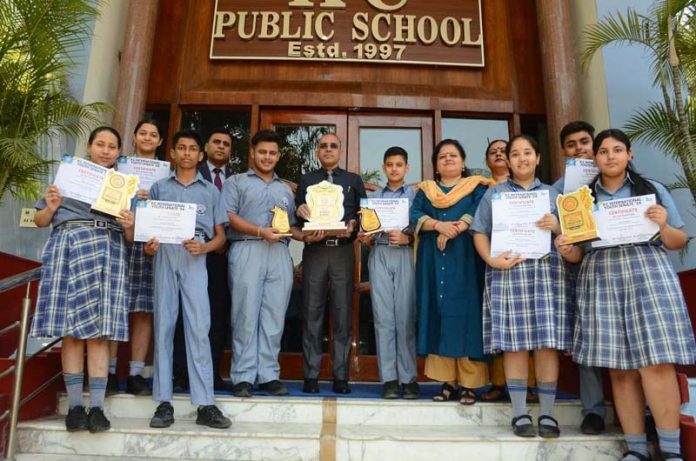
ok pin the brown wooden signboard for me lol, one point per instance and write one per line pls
(428, 32)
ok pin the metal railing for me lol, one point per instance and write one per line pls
(21, 359)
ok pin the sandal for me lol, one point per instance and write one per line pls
(548, 431)
(637, 455)
(447, 393)
(523, 430)
(667, 456)
(494, 394)
(467, 396)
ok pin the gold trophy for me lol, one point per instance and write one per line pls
(369, 221)
(325, 202)
(116, 193)
(575, 215)
(280, 222)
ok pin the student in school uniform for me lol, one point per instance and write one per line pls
(180, 273)
(393, 289)
(632, 317)
(260, 267)
(576, 142)
(83, 292)
(526, 302)
(147, 137)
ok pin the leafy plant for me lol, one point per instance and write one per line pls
(371, 176)
(668, 33)
(37, 40)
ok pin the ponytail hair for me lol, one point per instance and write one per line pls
(640, 185)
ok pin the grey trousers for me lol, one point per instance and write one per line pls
(591, 391)
(321, 265)
(393, 295)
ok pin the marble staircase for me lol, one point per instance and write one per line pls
(316, 429)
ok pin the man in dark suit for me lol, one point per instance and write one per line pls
(328, 259)
(213, 168)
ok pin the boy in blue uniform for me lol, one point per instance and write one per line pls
(576, 142)
(393, 289)
(180, 272)
(260, 267)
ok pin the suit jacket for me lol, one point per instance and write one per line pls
(205, 171)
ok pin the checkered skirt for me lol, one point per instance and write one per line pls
(527, 307)
(83, 288)
(631, 311)
(140, 282)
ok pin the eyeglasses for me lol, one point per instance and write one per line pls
(328, 145)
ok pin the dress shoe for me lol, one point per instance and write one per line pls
(391, 390)
(592, 424)
(310, 386)
(137, 385)
(340, 386)
(274, 387)
(410, 391)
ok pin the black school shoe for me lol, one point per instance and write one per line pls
(242, 389)
(592, 424)
(164, 416)
(137, 385)
(410, 391)
(211, 416)
(274, 387)
(310, 386)
(96, 421)
(111, 385)
(76, 419)
(391, 390)
(340, 386)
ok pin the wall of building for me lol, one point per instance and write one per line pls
(629, 87)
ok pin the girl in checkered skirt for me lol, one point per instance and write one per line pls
(147, 137)
(632, 317)
(83, 288)
(525, 302)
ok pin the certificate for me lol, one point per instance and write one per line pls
(79, 179)
(148, 171)
(623, 221)
(578, 172)
(168, 222)
(514, 224)
(392, 212)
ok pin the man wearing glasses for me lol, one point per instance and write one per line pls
(328, 259)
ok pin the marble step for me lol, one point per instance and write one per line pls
(349, 411)
(133, 439)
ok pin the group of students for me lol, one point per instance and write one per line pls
(435, 288)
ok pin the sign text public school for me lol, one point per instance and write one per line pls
(383, 31)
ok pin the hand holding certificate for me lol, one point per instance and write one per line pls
(623, 221)
(515, 216)
(168, 222)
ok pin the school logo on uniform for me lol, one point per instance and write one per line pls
(200, 209)
(284, 203)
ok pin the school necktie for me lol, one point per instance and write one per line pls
(218, 179)
(329, 176)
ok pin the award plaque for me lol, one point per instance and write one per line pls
(116, 193)
(280, 222)
(575, 215)
(325, 202)
(369, 221)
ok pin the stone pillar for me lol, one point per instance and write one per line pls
(558, 69)
(135, 65)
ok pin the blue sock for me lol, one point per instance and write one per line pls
(669, 440)
(136, 368)
(517, 388)
(73, 386)
(97, 390)
(547, 398)
(637, 443)
(112, 365)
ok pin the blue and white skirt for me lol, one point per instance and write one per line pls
(83, 288)
(528, 307)
(140, 279)
(631, 311)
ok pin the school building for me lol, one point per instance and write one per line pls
(378, 73)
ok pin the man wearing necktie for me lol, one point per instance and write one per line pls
(328, 259)
(218, 149)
